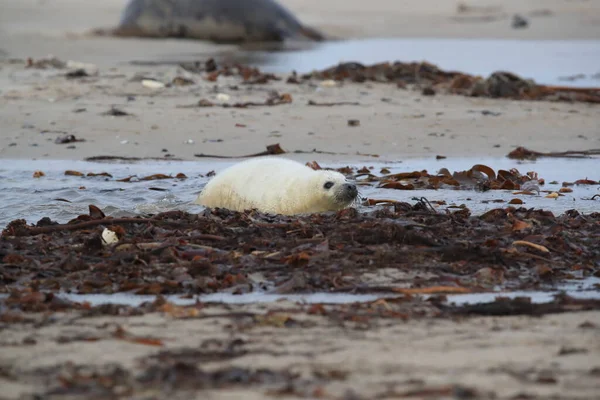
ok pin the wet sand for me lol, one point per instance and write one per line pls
(555, 356)
(503, 358)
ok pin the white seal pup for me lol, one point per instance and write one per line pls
(277, 186)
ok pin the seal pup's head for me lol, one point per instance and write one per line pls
(332, 191)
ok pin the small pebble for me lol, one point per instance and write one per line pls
(519, 22)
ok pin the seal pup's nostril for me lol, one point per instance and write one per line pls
(349, 186)
(351, 189)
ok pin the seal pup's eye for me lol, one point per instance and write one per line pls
(328, 185)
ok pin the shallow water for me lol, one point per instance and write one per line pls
(551, 62)
(584, 289)
(63, 197)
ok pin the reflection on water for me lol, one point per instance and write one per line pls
(63, 197)
(552, 62)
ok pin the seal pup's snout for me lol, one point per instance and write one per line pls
(350, 190)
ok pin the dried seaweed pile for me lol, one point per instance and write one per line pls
(419, 75)
(218, 250)
(429, 78)
(418, 250)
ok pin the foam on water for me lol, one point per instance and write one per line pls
(23, 196)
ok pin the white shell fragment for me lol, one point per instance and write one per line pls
(152, 84)
(222, 97)
(109, 237)
(329, 83)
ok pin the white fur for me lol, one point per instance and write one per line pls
(273, 185)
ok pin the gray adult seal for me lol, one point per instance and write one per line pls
(222, 21)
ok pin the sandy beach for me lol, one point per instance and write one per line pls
(111, 112)
(38, 105)
(394, 123)
(484, 358)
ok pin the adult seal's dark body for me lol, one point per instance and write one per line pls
(223, 21)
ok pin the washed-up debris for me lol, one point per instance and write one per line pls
(519, 22)
(131, 178)
(115, 112)
(524, 306)
(38, 174)
(218, 249)
(464, 8)
(500, 84)
(45, 63)
(67, 139)
(182, 81)
(479, 176)
(77, 73)
(129, 159)
(422, 76)
(212, 71)
(106, 174)
(80, 69)
(274, 99)
(353, 122)
(272, 149)
(275, 149)
(521, 153)
(486, 112)
(77, 69)
(154, 177)
(337, 103)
